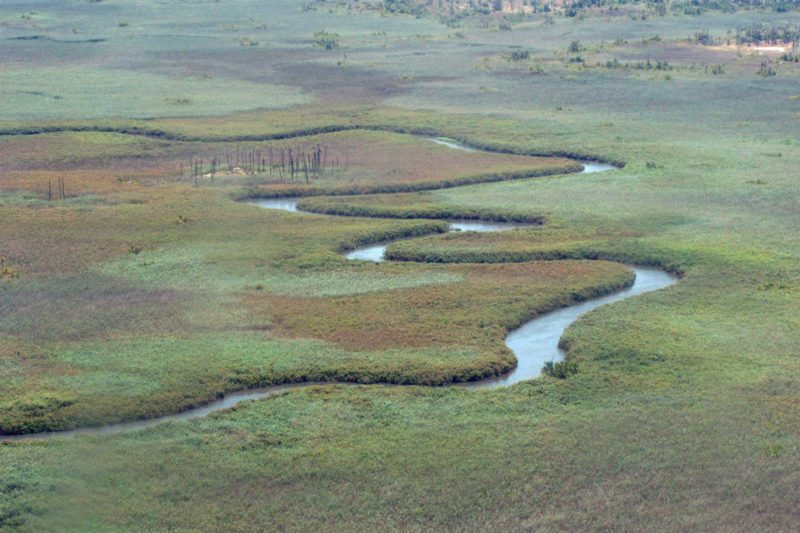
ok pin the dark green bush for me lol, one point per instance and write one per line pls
(520, 55)
(575, 47)
(560, 370)
(326, 40)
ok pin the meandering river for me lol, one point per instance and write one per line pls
(533, 344)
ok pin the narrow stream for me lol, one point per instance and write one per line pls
(290, 203)
(227, 402)
(452, 143)
(588, 165)
(376, 252)
(533, 344)
(536, 342)
(373, 252)
(284, 204)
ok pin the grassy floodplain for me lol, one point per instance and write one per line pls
(142, 293)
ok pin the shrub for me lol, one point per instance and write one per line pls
(181, 100)
(6, 272)
(703, 37)
(520, 55)
(247, 41)
(766, 70)
(328, 41)
(560, 370)
(575, 47)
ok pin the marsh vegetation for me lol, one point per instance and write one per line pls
(133, 293)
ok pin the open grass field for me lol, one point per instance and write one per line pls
(144, 292)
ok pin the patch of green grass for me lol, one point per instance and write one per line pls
(502, 453)
(207, 268)
(23, 198)
(98, 93)
(62, 150)
(128, 378)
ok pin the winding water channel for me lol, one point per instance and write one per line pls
(533, 344)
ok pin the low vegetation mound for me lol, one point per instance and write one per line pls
(409, 206)
(362, 162)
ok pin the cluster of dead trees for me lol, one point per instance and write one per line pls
(303, 162)
(59, 193)
(196, 169)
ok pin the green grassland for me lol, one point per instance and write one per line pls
(89, 93)
(104, 291)
(143, 294)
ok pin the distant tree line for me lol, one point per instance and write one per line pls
(767, 33)
(756, 33)
(456, 9)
